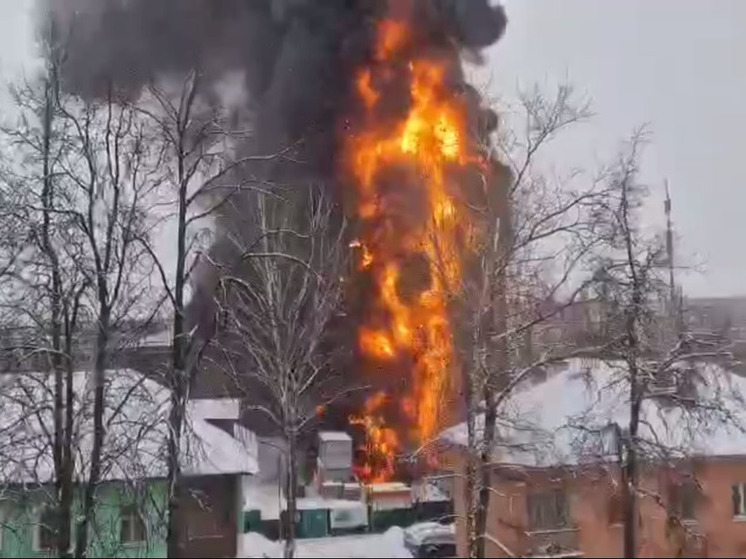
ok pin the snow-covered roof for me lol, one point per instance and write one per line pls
(389, 487)
(566, 419)
(136, 431)
(341, 484)
(314, 503)
(339, 436)
(215, 408)
(159, 338)
(428, 492)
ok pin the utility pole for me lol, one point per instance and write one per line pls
(676, 303)
(669, 244)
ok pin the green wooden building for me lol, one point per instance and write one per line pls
(129, 517)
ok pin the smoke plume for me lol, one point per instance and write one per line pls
(298, 61)
(297, 56)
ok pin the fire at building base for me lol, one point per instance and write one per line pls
(417, 161)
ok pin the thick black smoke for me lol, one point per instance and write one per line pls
(298, 59)
(297, 55)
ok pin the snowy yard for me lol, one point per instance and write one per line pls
(389, 544)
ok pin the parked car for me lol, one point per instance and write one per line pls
(430, 539)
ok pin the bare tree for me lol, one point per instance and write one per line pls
(186, 137)
(43, 302)
(84, 170)
(132, 455)
(653, 356)
(14, 239)
(278, 309)
(204, 175)
(111, 175)
(673, 384)
(537, 235)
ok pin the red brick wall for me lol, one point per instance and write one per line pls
(591, 501)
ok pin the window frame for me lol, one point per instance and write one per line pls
(615, 508)
(741, 514)
(135, 516)
(39, 526)
(551, 499)
(682, 495)
(3, 520)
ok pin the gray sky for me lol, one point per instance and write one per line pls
(671, 63)
(675, 64)
(14, 34)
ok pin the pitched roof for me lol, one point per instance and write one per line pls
(136, 431)
(565, 419)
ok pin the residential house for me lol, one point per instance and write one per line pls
(722, 316)
(717, 314)
(556, 477)
(130, 509)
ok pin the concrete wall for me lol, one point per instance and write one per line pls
(593, 503)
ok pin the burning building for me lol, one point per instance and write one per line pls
(416, 157)
(372, 98)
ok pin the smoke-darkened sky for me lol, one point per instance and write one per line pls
(672, 63)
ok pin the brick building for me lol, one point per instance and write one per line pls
(556, 479)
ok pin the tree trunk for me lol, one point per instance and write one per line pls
(291, 494)
(470, 471)
(632, 334)
(471, 500)
(629, 478)
(99, 393)
(175, 536)
(631, 472)
(62, 453)
(485, 469)
(496, 364)
(178, 379)
(68, 466)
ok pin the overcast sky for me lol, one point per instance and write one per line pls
(671, 63)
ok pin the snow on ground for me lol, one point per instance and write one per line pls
(268, 499)
(256, 545)
(264, 497)
(388, 544)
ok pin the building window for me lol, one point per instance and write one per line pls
(132, 526)
(46, 529)
(203, 523)
(683, 502)
(3, 520)
(548, 511)
(616, 507)
(739, 499)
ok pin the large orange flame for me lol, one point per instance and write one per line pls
(423, 145)
(382, 442)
